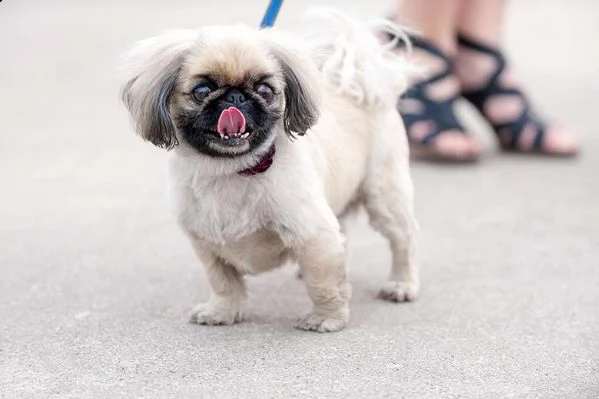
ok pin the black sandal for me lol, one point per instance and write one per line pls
(512, 129)
(440, 113)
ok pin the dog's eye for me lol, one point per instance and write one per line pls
(201, 91)
(264, 90)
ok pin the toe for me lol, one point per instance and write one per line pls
(456, 145)
(419, 130)
(559, 141)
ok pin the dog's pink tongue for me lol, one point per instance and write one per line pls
(231, 122)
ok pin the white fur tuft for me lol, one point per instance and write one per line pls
(353, 60)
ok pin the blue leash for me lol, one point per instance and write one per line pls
(271, 14)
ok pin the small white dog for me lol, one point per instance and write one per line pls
(229, 102)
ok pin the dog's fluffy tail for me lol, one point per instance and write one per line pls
(353, 60)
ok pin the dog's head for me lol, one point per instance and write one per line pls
(224, 91)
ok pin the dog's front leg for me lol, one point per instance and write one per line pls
(228, 291)
(322, 263)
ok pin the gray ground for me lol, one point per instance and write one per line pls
(96, 280)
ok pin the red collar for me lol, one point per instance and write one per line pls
(262, 165)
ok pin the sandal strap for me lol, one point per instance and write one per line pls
(493, 88)
(440, 113)
(444, 116)
(422, 44)
(425, 45)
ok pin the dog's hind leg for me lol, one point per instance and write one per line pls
(389, 197)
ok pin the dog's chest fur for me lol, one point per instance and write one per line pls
(250, 221)
(233, 216)
(225, 209)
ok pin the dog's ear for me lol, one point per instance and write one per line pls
(301, 91)
(151, 68)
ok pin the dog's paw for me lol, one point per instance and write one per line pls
(207, 314)
(320, 323)
(400, 291)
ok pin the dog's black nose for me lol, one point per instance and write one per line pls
(235, 97)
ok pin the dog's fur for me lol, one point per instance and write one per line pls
(354, 153)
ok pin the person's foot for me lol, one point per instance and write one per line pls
(493, 89)
(432, 127)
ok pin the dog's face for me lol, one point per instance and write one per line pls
(217, 77)
(222, 91)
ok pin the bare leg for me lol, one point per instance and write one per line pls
(228, 291)
(322, 263)
(436, 21)
(483, 22)
(482, 19)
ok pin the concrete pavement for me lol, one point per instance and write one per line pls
(96, 280)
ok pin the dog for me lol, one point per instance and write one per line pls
(275, 140)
